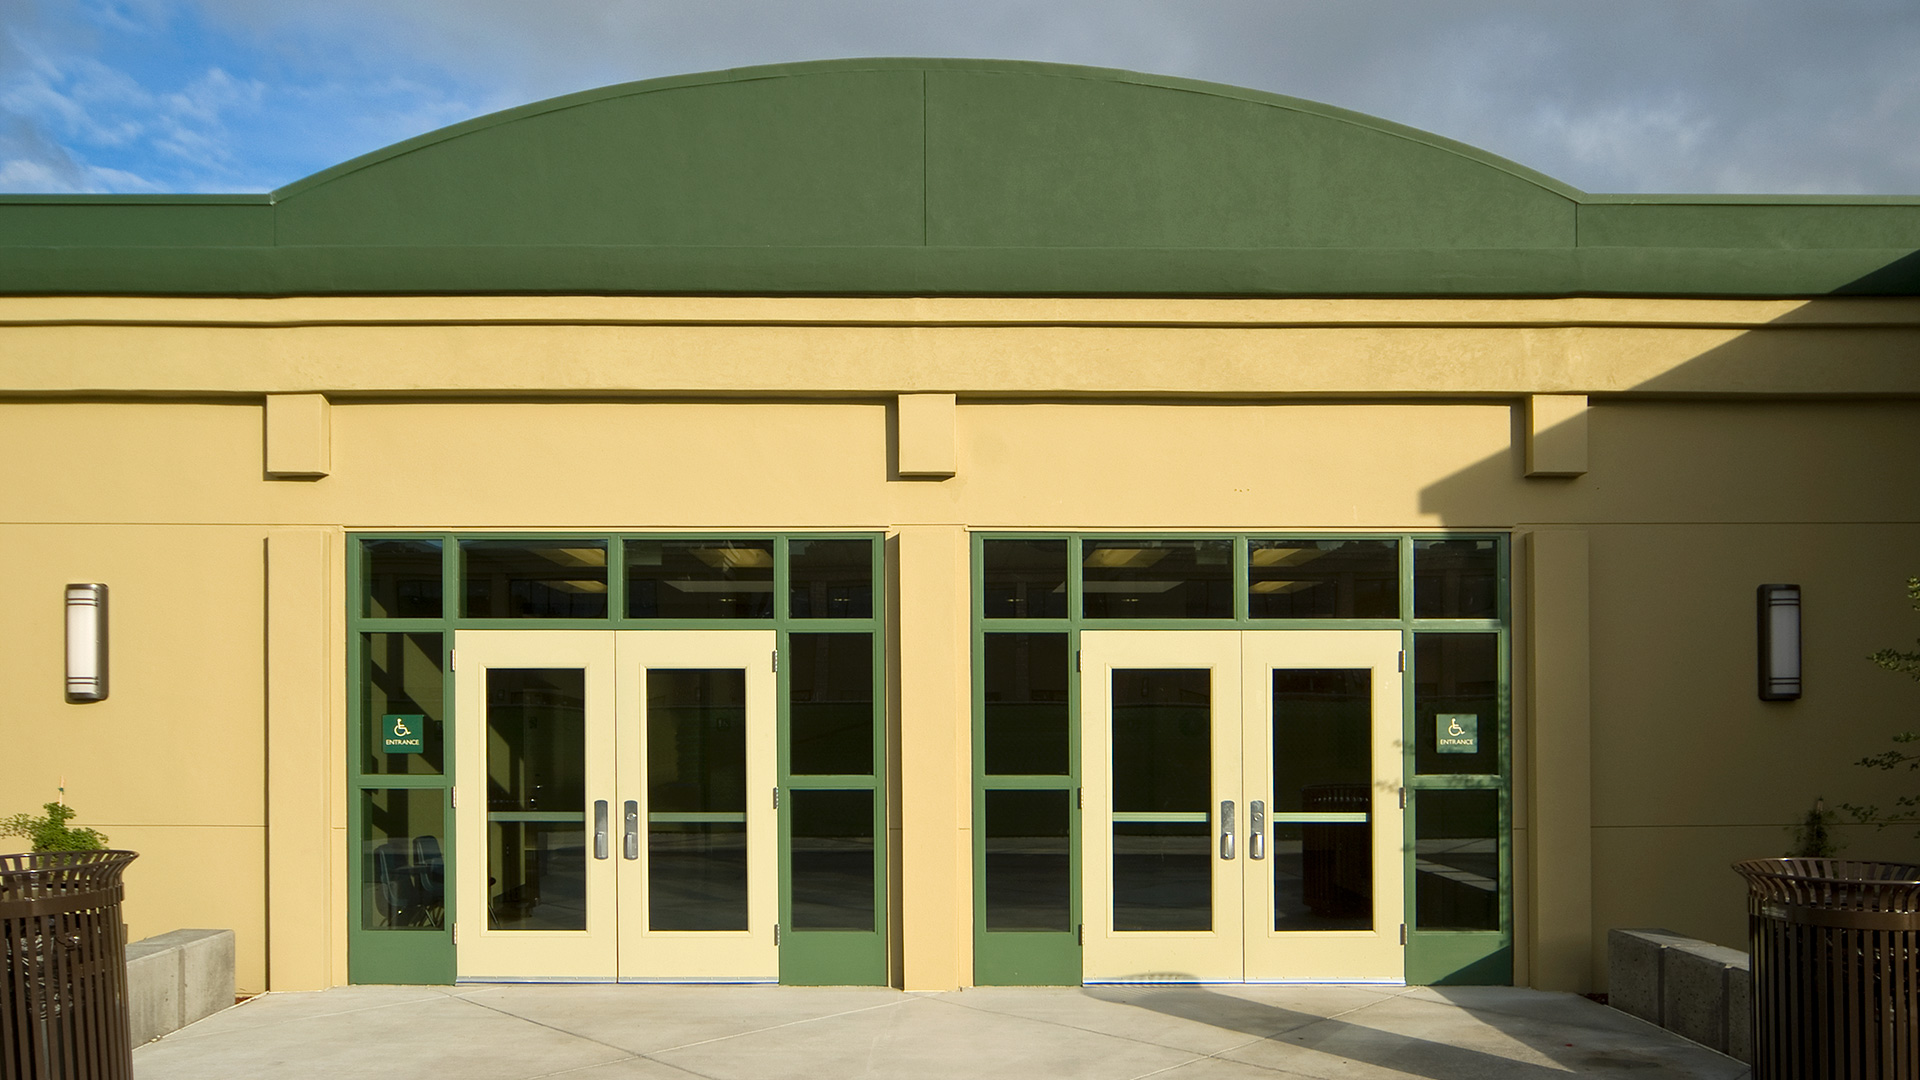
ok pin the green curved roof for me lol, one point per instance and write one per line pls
(946, 177)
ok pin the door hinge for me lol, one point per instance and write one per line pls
(1076, 659)
(776, 933)
(1403, 660)
(456, 933)
(1081, 930)
(453, 659)
(1079, 798)
(776, 660)
(453, 796)
(1403, 798)
(776, 798)
(1403, 933)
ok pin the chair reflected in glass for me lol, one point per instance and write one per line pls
(410, 883)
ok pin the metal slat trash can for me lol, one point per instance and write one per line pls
(63, 990)
(1836, 968)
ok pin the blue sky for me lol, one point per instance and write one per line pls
(1628, 95)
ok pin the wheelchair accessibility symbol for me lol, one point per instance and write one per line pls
(1457, 733)
(400, 733)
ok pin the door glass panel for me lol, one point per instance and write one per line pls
(830, 717)
(1024, 579)
(404, 678)
(1157, 579)
(831, 858)
(1025, 706)
(1162, 789)
(699, 579)
(403, 579)
(1322, 849)
(1456, 704)
(1456, 859)
(536, 799)
(697, 799)
(830, 579)
(1455, 579)
(511, 579)
(404, 878)
(1323, 579)
(1028, 864)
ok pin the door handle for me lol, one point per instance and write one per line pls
(632, 850)
(599, 828)
(1226, 829)
(1256, 830)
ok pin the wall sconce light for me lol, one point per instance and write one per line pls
(1779, 642)
(86, 643)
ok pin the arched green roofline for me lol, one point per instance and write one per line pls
(1025, 67)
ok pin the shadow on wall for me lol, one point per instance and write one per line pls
(1778, 454)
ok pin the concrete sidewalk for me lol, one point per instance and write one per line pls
(602, 1032)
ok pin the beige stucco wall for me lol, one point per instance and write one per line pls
(1729, 444)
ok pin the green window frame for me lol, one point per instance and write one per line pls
(424, 954)
(1433, 957)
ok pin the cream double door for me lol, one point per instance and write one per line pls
(1241, 806)
(613, 806)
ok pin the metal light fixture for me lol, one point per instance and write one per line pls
(1779, 642)
(86, 643)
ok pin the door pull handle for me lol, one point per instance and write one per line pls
(1226, 829)
(632, 848)
(599, 828)
(1256, 830)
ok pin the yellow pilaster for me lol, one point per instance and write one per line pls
(936, 899)
(1560, 771)
(300, 771)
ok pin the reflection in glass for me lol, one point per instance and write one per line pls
(830, 579)
(1456, 675)
(1323, 579)
(1456, 579)
(830, 712)
(1024, 579)
(1162, 875)
(696, 875)
(403, 578)
(515, 579)
(1162, 740)
(696, 799)
(1025, 704)
(1322, 799)
(1027, 861)
(403, 874)
(1456, 859)
(404, 675)
(1157, 579)
(832, 859)
(536, 799)
(699, 579)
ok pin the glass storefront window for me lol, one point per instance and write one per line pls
(699, 579)
(403, 880)
(518, 579)
(1456, 704)
(402, 710)
(1323, 579)
(830, 579)
(830, 710)
(402, 579)
(1456, 859)
(832, 860)
(1456, 579)
(1157, 579)
(1024, 579)
(1024, 704)
(1028, 863)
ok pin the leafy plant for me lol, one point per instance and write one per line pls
(1813, 837)
(50, 831)
(1906, 808)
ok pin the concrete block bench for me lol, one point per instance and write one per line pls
(176, 978)
(1693, 988)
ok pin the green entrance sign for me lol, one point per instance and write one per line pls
(403, 733)
(1457, 733)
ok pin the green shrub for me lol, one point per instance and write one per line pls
(1906, 808)
(50, 832)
